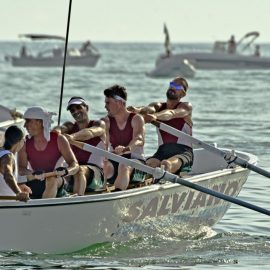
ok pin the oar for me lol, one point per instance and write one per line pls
(230, 158)
(159, 173)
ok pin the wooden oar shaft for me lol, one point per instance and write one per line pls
(159, 173)
(239, 161)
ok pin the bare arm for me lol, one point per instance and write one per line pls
(98, 130)
(7, 168)
(65, 128)
(184, 110)
(68, 155)
(138, 132)
(107, 128)
(23, 162)
(150, 109)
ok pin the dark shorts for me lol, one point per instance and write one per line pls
(136, 175)
(183, 152)
(95, 180)
(38, 187)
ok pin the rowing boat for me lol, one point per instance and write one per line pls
(69, 224)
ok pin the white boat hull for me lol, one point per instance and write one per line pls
(31, 61)
(221, 61)
(165, 67)
(70, 224)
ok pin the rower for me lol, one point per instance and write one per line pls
(175, 154)
(45, 151)
(14, 140)
(90, 176)
(125, 137)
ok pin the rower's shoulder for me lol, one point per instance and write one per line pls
(186, 105)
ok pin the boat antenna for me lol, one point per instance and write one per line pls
(64, 64)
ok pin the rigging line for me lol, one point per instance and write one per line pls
(64, 64)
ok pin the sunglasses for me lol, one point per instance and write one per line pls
(177, 87)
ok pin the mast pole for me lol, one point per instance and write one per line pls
(64, 63)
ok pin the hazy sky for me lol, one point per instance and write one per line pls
(137, 20)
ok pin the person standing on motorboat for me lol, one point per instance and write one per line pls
(257, 52)
(45, 151)
(232, 45)
(57, 51)
(125, 135)
(23, 51)
(14, 140)
(87, 48)
(174, 153)
(90, 176)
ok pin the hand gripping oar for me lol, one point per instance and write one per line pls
(229, 157)
(159, 173)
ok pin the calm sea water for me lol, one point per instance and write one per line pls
(231, 108)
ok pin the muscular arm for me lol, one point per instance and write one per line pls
(68, 155)
(150, 109)
(107, 128)
(138, 132)
(182, 111)
(98, 130)
(7, 168)
(23, 162)
(65, 128)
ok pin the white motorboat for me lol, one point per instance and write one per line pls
(165, 67)
(69, 224)
(86, 56)
(218, 59)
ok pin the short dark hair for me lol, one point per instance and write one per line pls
(116, 90)
(12, 136)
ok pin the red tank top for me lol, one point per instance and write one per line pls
(81, 155)
(43, 160)
(121, 136)
(177, 123)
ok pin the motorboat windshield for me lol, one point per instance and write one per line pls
(242, 45)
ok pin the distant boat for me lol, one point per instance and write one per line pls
(166, 67)
(220, 58)
(87, 55)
